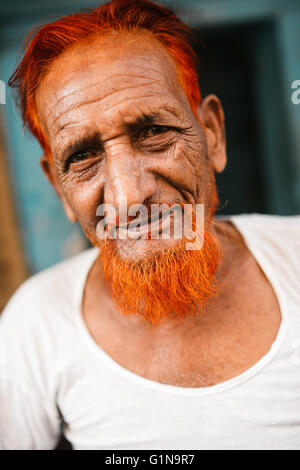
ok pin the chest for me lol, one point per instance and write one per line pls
(236, 331)
(111, 410)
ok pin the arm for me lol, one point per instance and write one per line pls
(29, 418)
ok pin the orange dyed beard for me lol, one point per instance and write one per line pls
(171, 283)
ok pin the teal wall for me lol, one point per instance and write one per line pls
(272, 37)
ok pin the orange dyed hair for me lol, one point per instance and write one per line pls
(44, 44)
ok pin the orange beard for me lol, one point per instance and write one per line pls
(171, 283)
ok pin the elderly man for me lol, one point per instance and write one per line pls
(146, 342)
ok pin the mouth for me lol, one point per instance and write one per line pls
(157, 225)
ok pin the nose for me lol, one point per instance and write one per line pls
(127, 180)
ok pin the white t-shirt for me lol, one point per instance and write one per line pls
(51, 367)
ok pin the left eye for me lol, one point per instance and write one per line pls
(78, 157)
(156, 130)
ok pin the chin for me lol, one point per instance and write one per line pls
(134, 250)
(160, 278)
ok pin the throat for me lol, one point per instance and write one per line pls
(236, 331)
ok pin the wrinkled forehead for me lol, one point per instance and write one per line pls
(100, 70)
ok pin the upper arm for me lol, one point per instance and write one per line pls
(25, 422)
(29, 418)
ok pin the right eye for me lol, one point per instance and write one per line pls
(78, 157)
(82, 158)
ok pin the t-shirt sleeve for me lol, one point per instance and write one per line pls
(25, 424)
(29, 417)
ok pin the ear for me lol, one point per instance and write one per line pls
(48, 168)
(211, 114)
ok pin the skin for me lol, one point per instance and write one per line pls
(104, 90)
(126, 160)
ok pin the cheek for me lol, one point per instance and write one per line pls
(197, 156)
(83, 199)
(186, 165)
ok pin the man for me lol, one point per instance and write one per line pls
(140, 342)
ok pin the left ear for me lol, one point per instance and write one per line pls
(211, 114)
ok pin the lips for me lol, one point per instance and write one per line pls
(146, 227)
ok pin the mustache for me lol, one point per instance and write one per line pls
(154, 213)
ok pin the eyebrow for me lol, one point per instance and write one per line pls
(94, 138)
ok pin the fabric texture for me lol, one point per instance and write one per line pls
(51, 369)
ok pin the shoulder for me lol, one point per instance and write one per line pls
(39, 321)
(48, 291)
(265, 219)
(275, 240)
(278, 237)
(269, 219)
(278, 227)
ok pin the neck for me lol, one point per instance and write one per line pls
(233, 254)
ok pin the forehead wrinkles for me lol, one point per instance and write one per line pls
(78, 73)
(102, 93)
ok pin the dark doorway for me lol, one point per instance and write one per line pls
(226, 69)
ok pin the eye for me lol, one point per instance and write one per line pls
(156, 130)
(79, 157)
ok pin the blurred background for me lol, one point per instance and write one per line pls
(249, 57)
